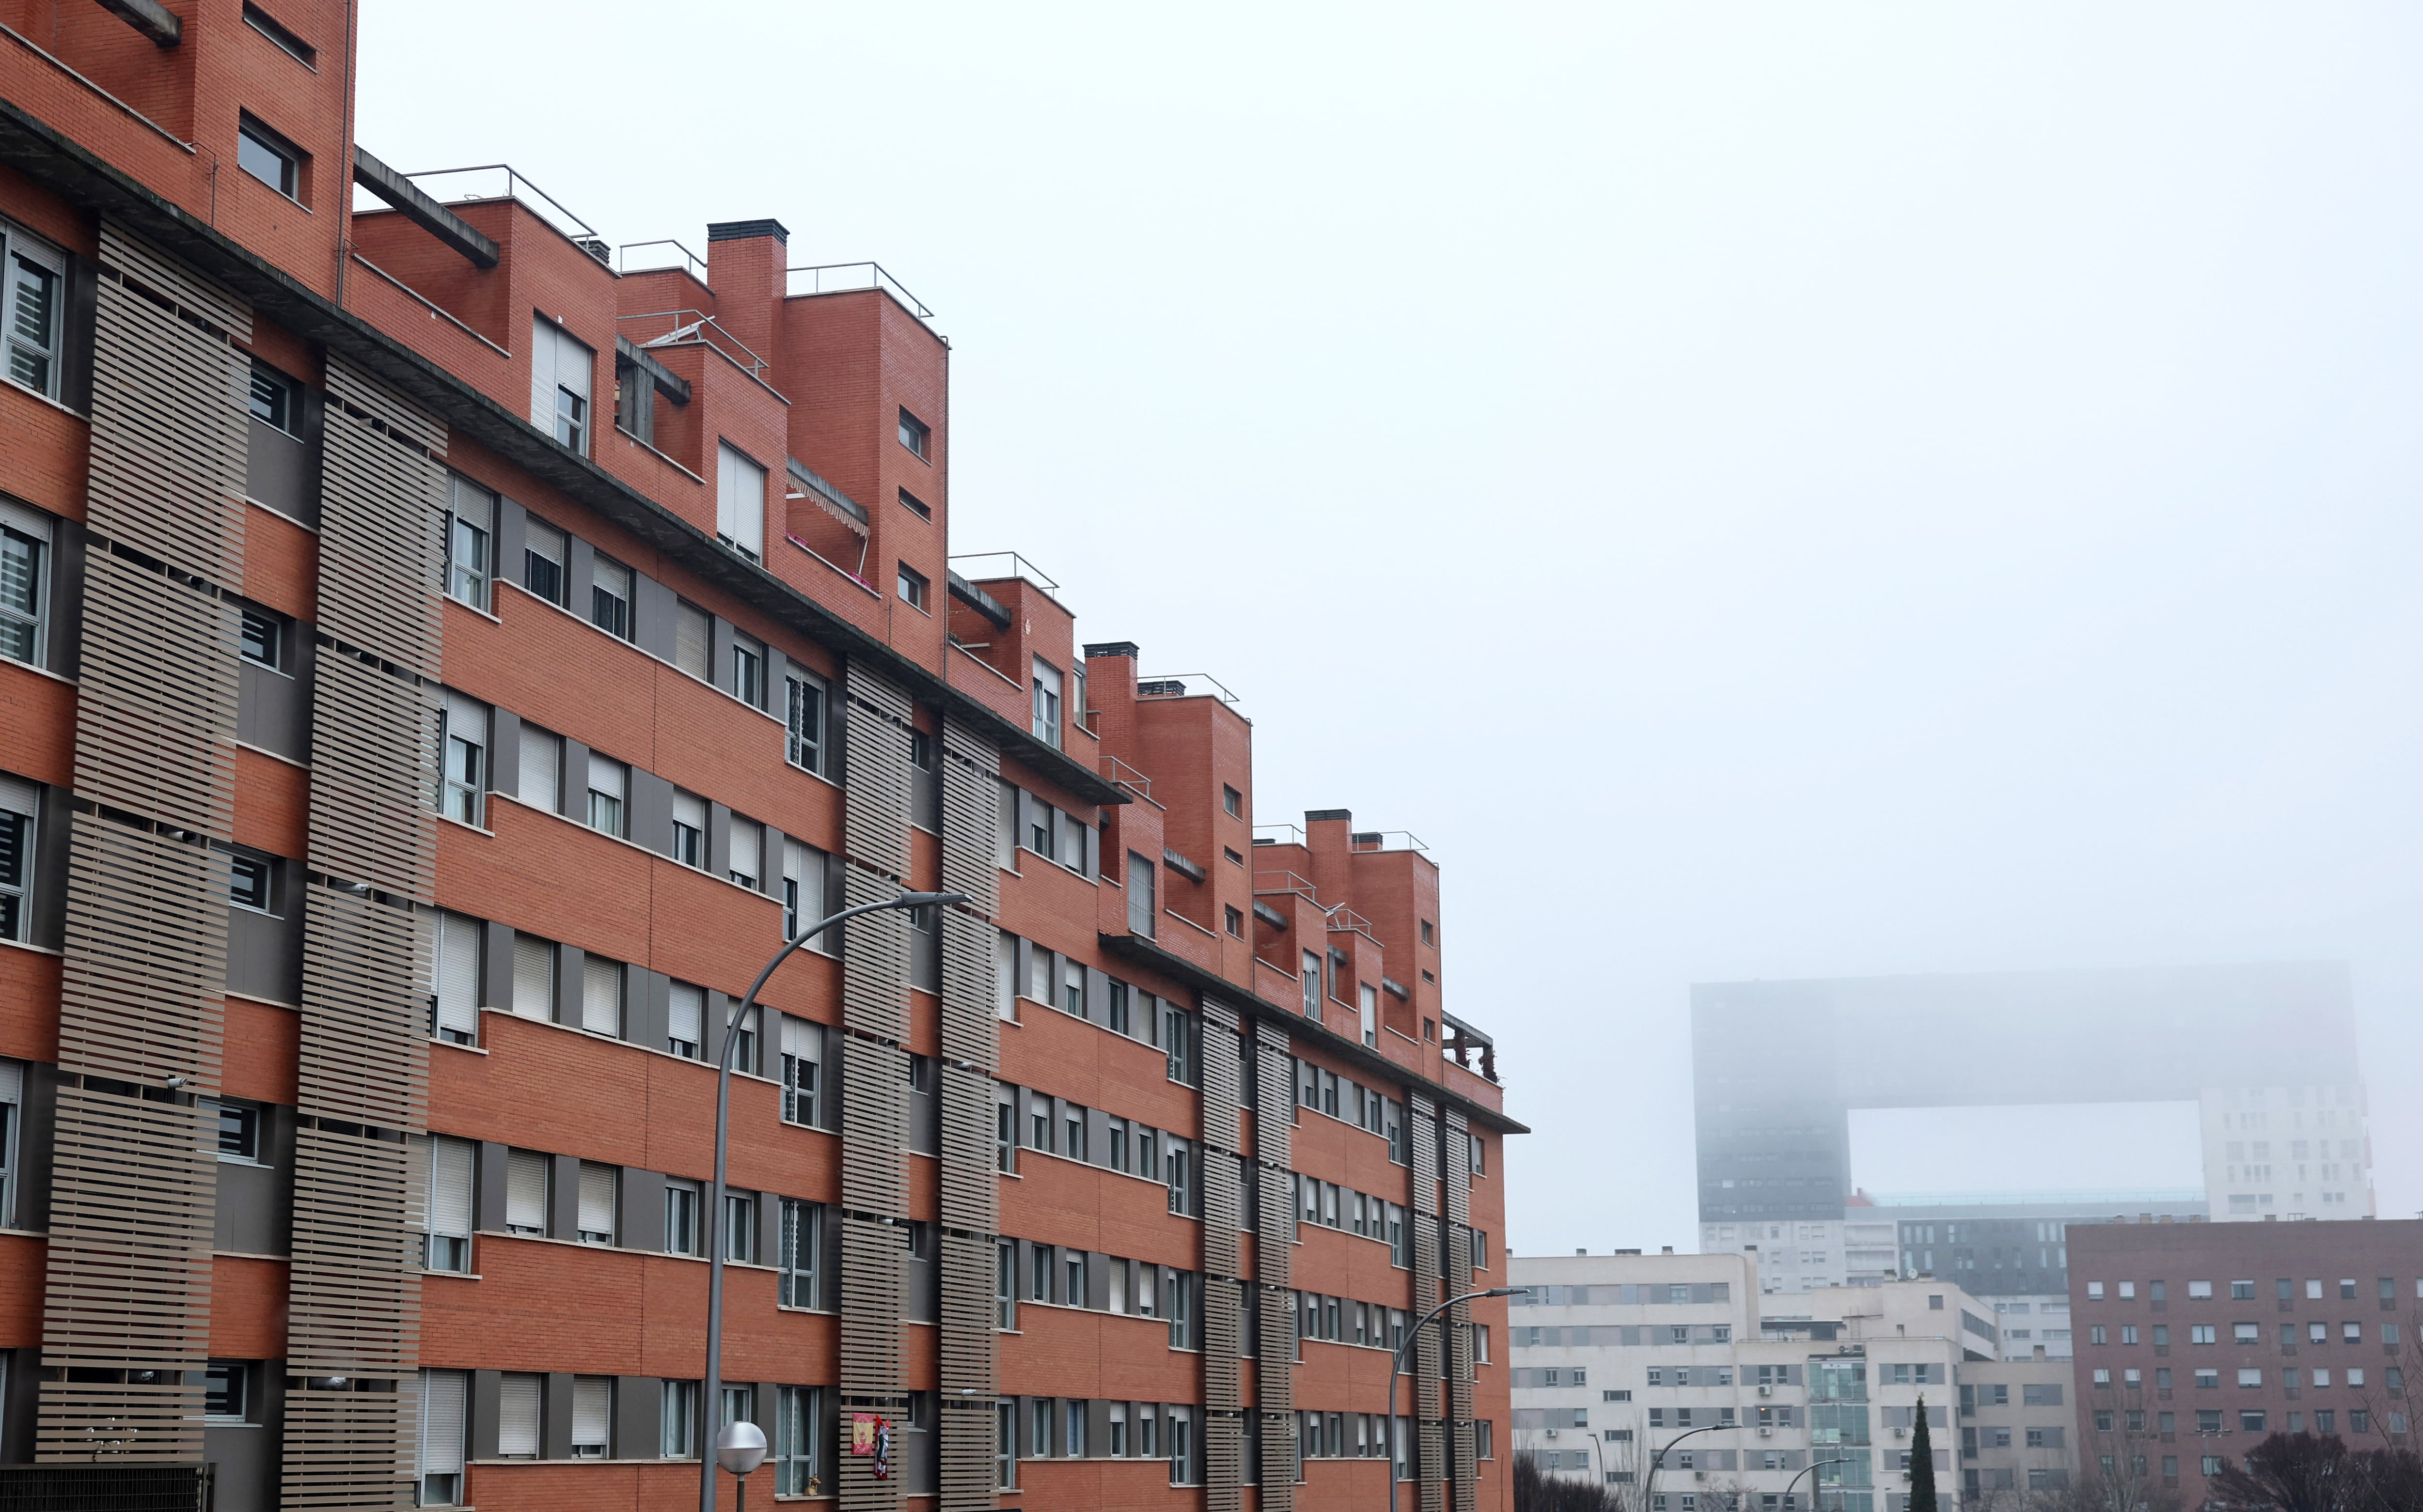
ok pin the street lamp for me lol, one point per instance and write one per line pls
(1396, 1365)
(740, 1448)
(1660, 1457)
(711, 1394)
(1814, 1466)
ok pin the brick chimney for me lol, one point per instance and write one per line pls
(744, 264)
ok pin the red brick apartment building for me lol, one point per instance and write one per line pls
(2197, 1341)
(437, 668)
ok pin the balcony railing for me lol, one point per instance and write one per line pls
(691, 327)
(501, 180)
(841, 278)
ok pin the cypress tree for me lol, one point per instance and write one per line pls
(1921, 1465)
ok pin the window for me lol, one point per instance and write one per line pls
(740, 1228)
(803, 1054)
(748, 670)
(798, 1413)
(525, 1188)
(249, 883)
(560, 379)
(694, 640)
(740, 503)
(609, 779)
(593, 1416)
(682, 1200)
(2199, 1291)
(24, 595)
(689, 829)
(1311, 987)
(805, 716)
(32, 311)
(1141, 913)
(685, 1021)
(610, 596)
(464, 773)
(601, 996)
(800, 1256)
(225, 1391)
(518, 1415)
(915, 433)
(803, 888)
(677, 1437)
(1370, 1015)
(1047, 703)
(268, 157)
(1232, 802)
(444, 1396)
(446, 1240)
(911, 586)
(471, 525)
(1430, 936)
(595, 1220)
(1234, 918)
(284, 40)
(915, 505)
(261, 639)
(454, 982)
(745, 865)
(272, 401)
(544, 553)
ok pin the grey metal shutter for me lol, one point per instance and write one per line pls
(533, 977)
(525, 1190)
(601, 995)
(450, 1164)
(597, 1200)
(443, 1394)
(518, 1414)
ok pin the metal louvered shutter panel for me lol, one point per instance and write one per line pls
(382, 503)
(525, 1189)
(601, 995)
(685, 1015)
(517, 1417)
(442, 1400)
(458, 975)
(593, 1408)
(533, 977)
(596, 1199)
(695, 642)
(450, 1163)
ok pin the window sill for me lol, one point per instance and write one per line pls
(457, 1045)
(469, 608)
(453, 1275)
(36, 950)
(643, 1049)
(267, 1003)
(46, 399)
(42, 672)
(596, 629)
(619, 839)
(610, 1249)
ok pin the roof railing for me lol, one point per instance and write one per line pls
(1127, 777)
(514, 186)
(1385, 840)
(1173, 685)
(1009, 564)
(681, 260)
(841, 278)
(1272, 883)
(693, 327)
(1278, 834)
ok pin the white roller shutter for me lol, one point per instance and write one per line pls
(686, 1014)
(542, 760)
(741, 500)
(803, 868)
(592, 1414)
(695, 642)
(450, 1164)
(596, 1202)
(748, 847)
(533, 977)
(601, 995)
(443, 1394)
(518, 1415)
(458, 977)
(525, 1190)
(803, 1040)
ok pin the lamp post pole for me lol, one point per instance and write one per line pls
(1814, 1466)
(710, 1405)
(1660, 1457)
(1396, 1365)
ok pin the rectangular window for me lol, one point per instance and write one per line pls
(610, 596)
(560, 371)
(225, 1391)
(273, 399)
(803, 889)
(261, 639)
(527, 1174)
(544, 551)
(593, 1416)
(597, 1211)
(677, 1421)
(801, 1255)
(455, 980)
(251, 883)
(1370, 1007)
(518, 1415)
(1047, 703)
(471, 526)
(748, 670)
(1141, 913)
(24, 587)
(803, 1054)
(686, 1020)
(740, 1228)
(445, 1397)
(33, 281)
(682, 1200)
(805, 716)
(911, 586)
(269, 157)
(533, 977)
(689, 830)
(915, 433)
(798, 1413)
(694, 640)
(463, 777)
(608, 781)
(601, 996)
(740, 503)
(746, 864)
(1313, 987)
(446, 1240)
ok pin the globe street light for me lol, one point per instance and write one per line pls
(712, 1388)
(1396, 1365)
(740, 1447)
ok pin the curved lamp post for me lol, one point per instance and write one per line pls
(1660, 1457)
(1814, 1466)
(711, 1393)
(1397, 1366)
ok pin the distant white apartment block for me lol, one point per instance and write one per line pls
(1677, 1383)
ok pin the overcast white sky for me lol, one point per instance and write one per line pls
(1764, 489)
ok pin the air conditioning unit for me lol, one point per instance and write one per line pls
(1552, 1433)
(1766, 1433)
(1767, 1390)
(1901, 1433)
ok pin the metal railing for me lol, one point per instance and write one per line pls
(1385, 840)
(1015, 566)
(516, 186)
(1280, 834)
(1173, 685)
(1122, 775)
(842, 277)
(688, 261)
(691, 327)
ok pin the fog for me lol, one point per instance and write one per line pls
(2103, 1148)
(1762, 490)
